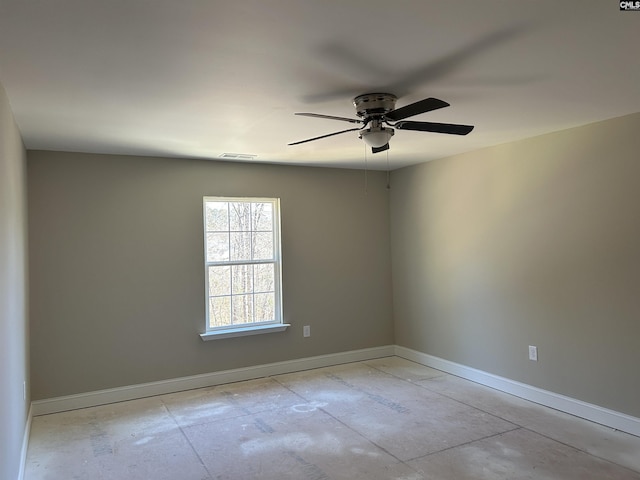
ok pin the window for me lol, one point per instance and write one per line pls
(242, 266)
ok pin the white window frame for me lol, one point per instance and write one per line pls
(276, 325)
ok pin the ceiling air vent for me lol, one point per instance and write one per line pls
(238, 156)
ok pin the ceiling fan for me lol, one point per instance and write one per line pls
(378, 109)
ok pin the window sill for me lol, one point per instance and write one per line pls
(243, 331)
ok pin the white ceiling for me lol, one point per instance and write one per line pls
(196, 79)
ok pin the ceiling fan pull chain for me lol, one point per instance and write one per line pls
(388, 173)
(366, 180)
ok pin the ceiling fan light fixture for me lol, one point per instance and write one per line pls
(377, 137)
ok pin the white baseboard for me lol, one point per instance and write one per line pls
(132, 392)
(595, 413)
(25, 444)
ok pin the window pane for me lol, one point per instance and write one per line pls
(263, 246)
(262, 217)
(240, 234)
(219, 311)
(240, 246)
(217, 247)
(242, 309)
(240, 219)
(265, 310)
(242, 279)
(219, 281)
(217, 216)
(264, 277)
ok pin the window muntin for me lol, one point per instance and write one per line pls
(242, 262)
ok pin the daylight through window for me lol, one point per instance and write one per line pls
(242, 257)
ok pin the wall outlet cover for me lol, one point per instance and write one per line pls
(306, 331)
(533, 353)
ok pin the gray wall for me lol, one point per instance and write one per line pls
(535, 242)
(116, 264)
(14, 335)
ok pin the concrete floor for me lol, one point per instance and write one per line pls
(380, 419)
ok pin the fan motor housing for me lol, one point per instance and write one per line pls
(374, 104)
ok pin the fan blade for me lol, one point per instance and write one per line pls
(426, 105)
(324, 136)
(330, 117)
(451, 128)
(380, 149)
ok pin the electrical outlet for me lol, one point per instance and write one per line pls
(24, 390)
(533, 353)
(306, 331)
